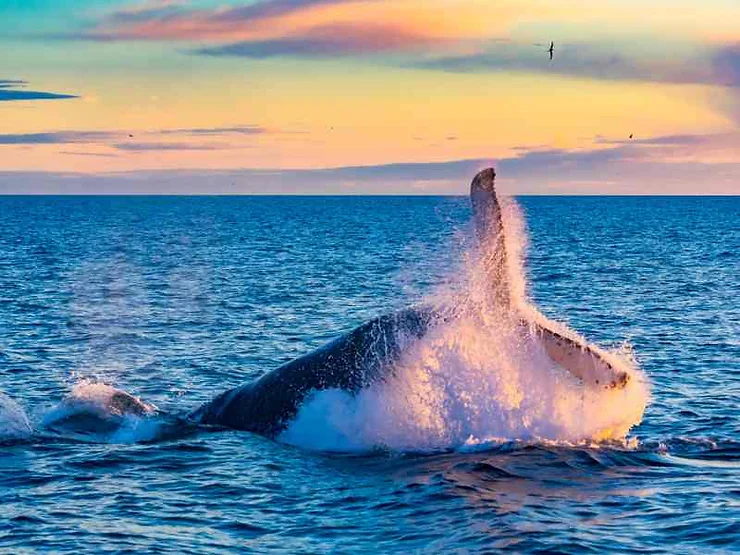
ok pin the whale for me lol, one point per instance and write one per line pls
(370, 353)
(95, 409)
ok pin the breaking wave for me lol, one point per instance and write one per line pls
(476, 379)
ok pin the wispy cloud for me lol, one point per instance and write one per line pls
(672, 140)
(271, 28)
(267, 9)
(14, 89)
(122, 140)
(328, 40)
(146, 147)
(93, 154)
(147, 11)
(267, 29)
(7, 83)
(56, 137)
(235, 130)
(677, 149)
(175, 21)
(618, 170)
(718, 66)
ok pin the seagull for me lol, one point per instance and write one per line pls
(551, 50)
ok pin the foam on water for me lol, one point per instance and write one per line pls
(479, 377)
(14, 423)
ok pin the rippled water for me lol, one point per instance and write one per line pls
(177, 299)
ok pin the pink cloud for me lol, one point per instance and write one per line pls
(174, 21)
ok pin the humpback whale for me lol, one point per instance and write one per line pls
(95, 409)
(369, 353)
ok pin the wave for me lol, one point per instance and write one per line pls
(478, 379)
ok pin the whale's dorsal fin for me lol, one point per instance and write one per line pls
(490, 230)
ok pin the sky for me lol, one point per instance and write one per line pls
(369, 96)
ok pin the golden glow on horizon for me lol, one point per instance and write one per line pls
(374, 118)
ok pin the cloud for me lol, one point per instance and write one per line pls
(235, 130)
(9, 91)
(251, 31)
(620, 170)
(153, 10)
(417, 171)
(327, 41)
(122, 140)
(144, 147)
(174, 21)
(673, 140)
(93, 154)
(266, 29)
(711, 148)
(304, 28)
(56, 137)
(624, 169)
(8, 83)
(720, 67)
(726, 64)
(268, 9)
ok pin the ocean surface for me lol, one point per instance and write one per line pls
(175, 299)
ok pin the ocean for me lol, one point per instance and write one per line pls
(175, 299)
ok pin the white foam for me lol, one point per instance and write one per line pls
(14, 423)
(477, 379)
(91, 409)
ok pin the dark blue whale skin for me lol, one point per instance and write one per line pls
(351, 362)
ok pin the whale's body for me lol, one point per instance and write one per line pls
(369, 353)
(351, 362)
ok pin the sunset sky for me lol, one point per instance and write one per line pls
(369, 96)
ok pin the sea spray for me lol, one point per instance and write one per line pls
(478, 377)
(103, 413)
(14, 423)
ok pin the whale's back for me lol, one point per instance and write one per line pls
(351, 362)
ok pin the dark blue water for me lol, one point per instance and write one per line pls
(177, 299)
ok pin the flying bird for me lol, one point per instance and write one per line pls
(551, 50)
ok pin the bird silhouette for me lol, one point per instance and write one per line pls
(551, 50)
(631, 135)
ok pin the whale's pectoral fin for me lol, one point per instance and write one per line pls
(581, 360)
(490, 230)
(587, 363)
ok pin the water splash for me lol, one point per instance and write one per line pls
(480, 377)
(14, 423)
(100, 412)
